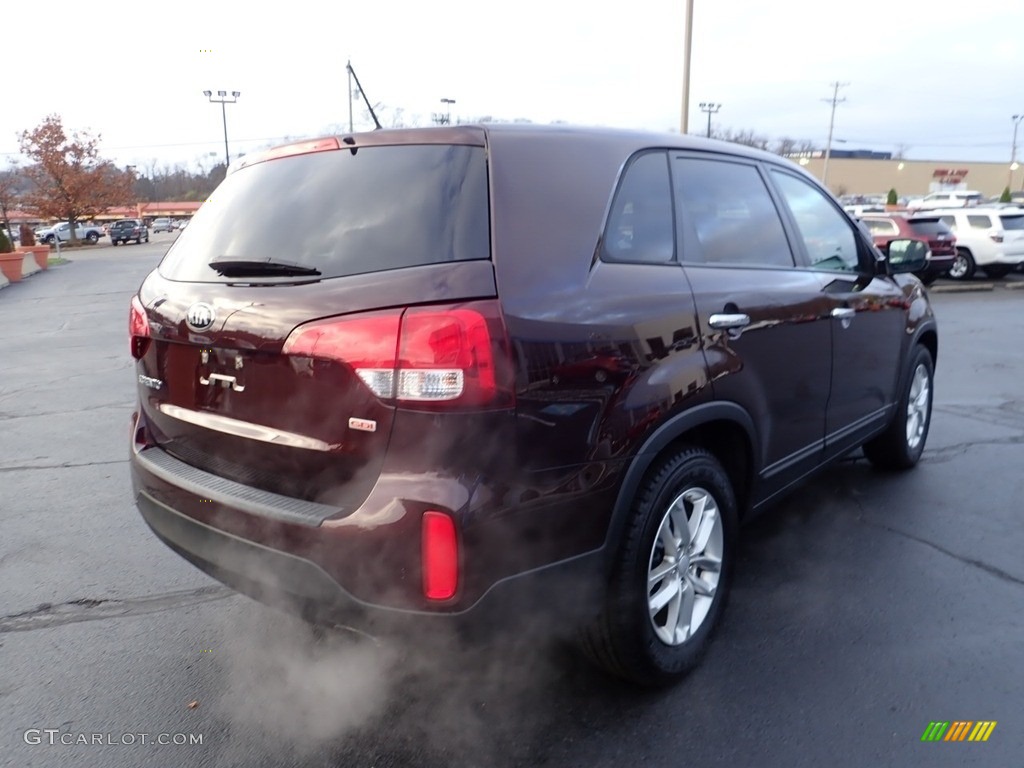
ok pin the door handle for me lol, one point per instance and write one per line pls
(729, 322)
(844, 315)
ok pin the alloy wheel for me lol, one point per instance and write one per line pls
(917, 406)
(685, 566)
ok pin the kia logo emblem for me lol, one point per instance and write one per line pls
(200, 316)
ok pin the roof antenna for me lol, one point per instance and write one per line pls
(362, 93)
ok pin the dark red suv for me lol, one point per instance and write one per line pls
(491, 376)
(885, 227)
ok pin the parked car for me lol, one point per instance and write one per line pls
(992, 239)
(62, 231)
(885, 227)
(181, 224)
(129, 229)
(960, 198)
(549, 393)
(162, 225)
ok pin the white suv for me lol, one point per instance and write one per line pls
(990, 238)
(957, 198)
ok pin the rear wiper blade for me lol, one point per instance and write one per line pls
(254, 268)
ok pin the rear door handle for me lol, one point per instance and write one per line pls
(731, 322)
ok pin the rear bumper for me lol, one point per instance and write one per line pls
(938, 265)
(556, 597)
(523, 555)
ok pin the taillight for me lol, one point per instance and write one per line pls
(435, 357)
(138, 329)
(440, 556)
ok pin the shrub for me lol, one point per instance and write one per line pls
(1005, 197)
(892, 198)
(28, 237)
(5, 244)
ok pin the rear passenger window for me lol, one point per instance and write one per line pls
(979, 222)
(829, 239)
(729, 208)
(881, 226)
(640, 226)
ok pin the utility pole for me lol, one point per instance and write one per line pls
(711, 108)
(835, 101)
(684, 121)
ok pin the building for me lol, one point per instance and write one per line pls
(871, 175)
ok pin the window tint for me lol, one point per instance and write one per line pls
(949, 221)
(343, 213)
(1012, 222)
(881, 226)
(640, 226)
(729, 207)
(979, 222)
(830, 242)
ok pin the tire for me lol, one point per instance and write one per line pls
(901, 445)
(93, 238)
(997, 271)
(49, 239)
(138, 240)
(635, 637)
(928, 278)
(963, 265)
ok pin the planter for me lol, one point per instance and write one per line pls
(11, 265)
(41, 253)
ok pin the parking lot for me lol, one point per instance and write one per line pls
(866, 605)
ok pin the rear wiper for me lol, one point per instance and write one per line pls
(253, 268)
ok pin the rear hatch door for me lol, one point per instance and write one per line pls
(353, 237)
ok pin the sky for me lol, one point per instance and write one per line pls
(935, 79)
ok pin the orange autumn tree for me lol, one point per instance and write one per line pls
(68, 179)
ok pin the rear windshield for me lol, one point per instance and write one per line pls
(1013, 222)
(343, 214)
(120, 224)
(930, 227)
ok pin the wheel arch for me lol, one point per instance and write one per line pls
(723, 428)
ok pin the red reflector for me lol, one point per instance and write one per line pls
(440, 556)
(138, 328)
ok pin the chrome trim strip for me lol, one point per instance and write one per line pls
(245, 429)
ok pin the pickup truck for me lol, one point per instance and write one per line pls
(62, 232)
(128, 229)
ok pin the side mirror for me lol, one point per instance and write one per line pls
(906, 255)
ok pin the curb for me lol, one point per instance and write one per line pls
(962, 288)
(1016, 286)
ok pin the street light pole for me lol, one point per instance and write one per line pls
(222, 99)
(1013, 149)
(711, 108)
(448, 114)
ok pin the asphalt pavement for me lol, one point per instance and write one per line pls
(866, 605)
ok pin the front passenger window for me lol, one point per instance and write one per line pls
(828, 237)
